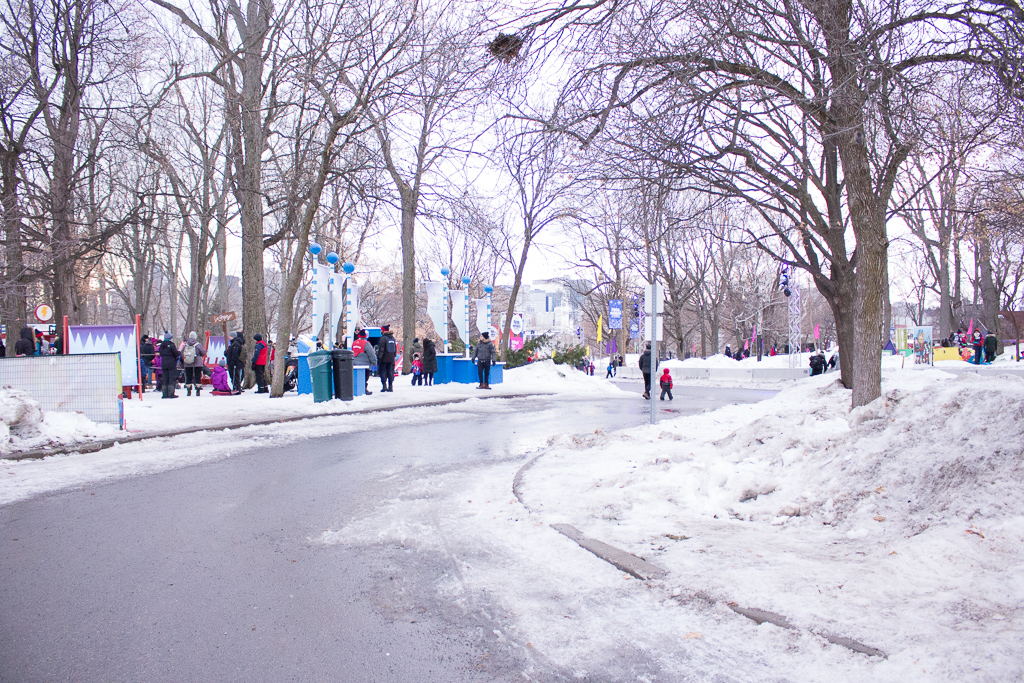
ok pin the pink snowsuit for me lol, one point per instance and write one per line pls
(219, 379)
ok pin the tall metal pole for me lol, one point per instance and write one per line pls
(654, 348)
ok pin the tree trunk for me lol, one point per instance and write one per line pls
(15, 297)
(989, 293)
(516, 283)
(410, 199)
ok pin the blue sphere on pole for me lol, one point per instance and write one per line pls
(488, 289)
(315, 248)
(349, 267)
(465, 280)
(333, 258)
(445, 272)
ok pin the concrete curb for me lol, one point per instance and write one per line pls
(102, 444)
(640, 568)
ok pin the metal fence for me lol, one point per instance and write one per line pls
(85, 383)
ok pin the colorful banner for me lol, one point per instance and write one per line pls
(817, 333)
(214, 349)
(109, 339)
(615, 314)
(600, 325)
(515, 342)
(352, 316)
(517, 325)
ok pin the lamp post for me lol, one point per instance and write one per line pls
(488, 290)
(332, 259)
(318, 291)
(465, 312)
(444, 338)
(351, 303)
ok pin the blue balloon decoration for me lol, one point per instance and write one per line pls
(333, 258)
(445, 272)
(465, 280)
(488, 289)
(349, 267)
(315, 248)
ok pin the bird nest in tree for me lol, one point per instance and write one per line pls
(506, 46)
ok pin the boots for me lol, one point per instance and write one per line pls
(198, 388)
(188, 389)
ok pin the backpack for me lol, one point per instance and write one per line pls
(390, 349)
(188, 354)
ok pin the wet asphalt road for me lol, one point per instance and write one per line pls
(206, 573)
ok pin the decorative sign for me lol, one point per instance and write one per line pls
(517, 324)
(495, 333)
(615, 314)
(634, 330)
(43, 313)
(222, 318)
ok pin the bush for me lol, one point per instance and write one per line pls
(519, 358)
(569, 355)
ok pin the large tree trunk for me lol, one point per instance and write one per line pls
(15, 299)
(989, 293)
(410, 200)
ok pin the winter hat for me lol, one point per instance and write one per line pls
(361, 334)
(665, 372)
(192, 336)
(258, 336)
(232, 335)
(385, 328)
(486, 335)
(222, 362)
(167, 336)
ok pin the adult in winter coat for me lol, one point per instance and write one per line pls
(978, 343)
(484, 356)
(645, 368)
(364, 356)
(260, 358)
(991, 344)
(169, 357)
(219, 378)
(235, 360)
(192, 355)
(26, 344)
(429, 361)
(817, 364)
(387, 351)
(146, 354)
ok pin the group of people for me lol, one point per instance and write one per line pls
(33, 343)
(164, 364)
(646, 366)
(984, 345)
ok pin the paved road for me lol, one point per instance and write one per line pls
(207, 574)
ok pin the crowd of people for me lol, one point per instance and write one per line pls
(164, 365)
(982, 345)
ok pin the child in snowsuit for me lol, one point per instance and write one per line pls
(219, 378)
(978, 343)
(417, 370)
(666, 385)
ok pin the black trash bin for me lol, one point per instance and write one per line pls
(342, 373)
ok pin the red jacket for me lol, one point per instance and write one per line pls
(666, 380)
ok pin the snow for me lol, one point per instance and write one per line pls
(898, 524)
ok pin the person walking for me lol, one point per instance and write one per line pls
(364, 355)
(611, 369)
(645, 368)
(429, 361)
(666, 385)
(260, 358)
(26, 344)
(387, 351)
(484, 357)
(192, 355)
(233, 357)
(169, 356)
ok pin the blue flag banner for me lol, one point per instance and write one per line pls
(615, 314)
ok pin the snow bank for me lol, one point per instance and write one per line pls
(899, 524)
(24, 426)
(545, 376)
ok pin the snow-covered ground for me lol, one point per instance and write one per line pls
(29, 429)
(899, 525)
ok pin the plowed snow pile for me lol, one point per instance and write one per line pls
(899, 524)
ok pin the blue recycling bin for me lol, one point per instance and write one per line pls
(303, 382)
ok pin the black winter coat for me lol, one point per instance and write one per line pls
(645, 362)
(991, 343)
(233, 354)
(26, 344)
(169, 355)
(429, 356)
